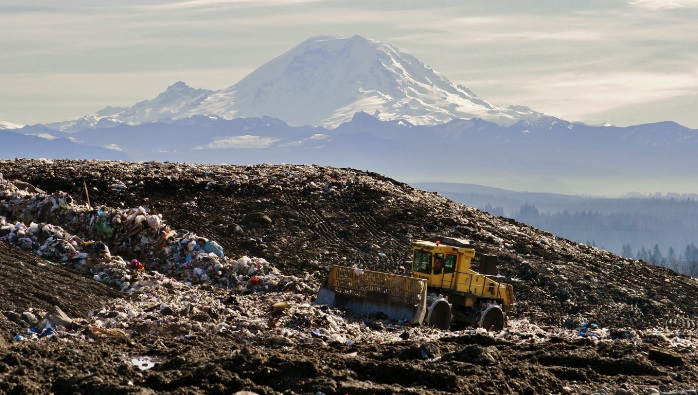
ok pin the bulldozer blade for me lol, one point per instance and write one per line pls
(365, 292)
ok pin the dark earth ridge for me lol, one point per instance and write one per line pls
(305, 218)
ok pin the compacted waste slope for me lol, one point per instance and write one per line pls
(243, 320)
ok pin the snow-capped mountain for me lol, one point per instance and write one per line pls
(323, 81)
(178, 99)
(355, 102)
(327, 79)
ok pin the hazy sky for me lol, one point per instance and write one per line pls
(595, 61)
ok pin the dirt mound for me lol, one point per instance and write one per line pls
(206, 325)
(29, 282)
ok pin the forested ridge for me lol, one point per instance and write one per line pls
(659, 229)
(658, 241)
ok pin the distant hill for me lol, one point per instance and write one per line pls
(548, 155)
(17, 145)
(636, 223)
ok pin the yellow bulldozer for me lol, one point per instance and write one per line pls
(443, 288)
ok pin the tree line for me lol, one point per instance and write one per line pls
(685, 262)
(653, 232)
(661, 229)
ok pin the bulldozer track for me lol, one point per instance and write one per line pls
(368, 225)
(683, 323)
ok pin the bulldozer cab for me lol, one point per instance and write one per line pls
(438, 263)
(446, 265)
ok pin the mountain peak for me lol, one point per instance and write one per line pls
(179, 98)
(324, 81)
(178, 86)
(335, 39)
(179, 89)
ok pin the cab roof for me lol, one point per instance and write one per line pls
(444, 242)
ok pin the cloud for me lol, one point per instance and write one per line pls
(214, 3)
(656, 5)
(575, 96)
(47, 136)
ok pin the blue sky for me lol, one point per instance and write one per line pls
(620, 62)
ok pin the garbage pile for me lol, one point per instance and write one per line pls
(161, 271)
(113, 245)
(177, 283)
(161, 278)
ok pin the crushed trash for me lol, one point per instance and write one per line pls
(588, 329)
(183, 288)
(143, 362)
(136, 251)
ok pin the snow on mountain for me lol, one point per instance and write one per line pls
(323, 81)
(548, 154)
(9, 125)
(178, 99)
(327, 79)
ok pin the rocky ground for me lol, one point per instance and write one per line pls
(176, 278)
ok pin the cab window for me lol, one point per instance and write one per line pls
(439, 263)
(422, 261)
(450, 264)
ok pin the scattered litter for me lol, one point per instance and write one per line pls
(588, 330)
(143, 362)
(179, 284)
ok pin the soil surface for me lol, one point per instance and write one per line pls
(243, 321)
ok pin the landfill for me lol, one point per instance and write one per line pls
(162, 277)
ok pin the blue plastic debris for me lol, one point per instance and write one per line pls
(585, 330)
(214, 247)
